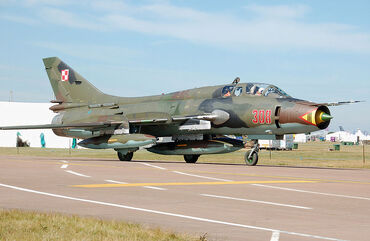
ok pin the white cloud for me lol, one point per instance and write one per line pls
(261, 27)
(173, 12)
(69, 19)
(276, 31)
(110, 6)
(46, 2)
(90, 51)
(19, 19)
(279, 11)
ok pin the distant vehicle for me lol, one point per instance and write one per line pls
(195, 120)
(285, 144)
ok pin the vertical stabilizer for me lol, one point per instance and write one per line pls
(70, 86)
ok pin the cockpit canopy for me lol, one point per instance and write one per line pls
(256, 89)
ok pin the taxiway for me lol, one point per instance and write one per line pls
(228, 202)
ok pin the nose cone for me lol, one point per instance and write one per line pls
(322, 117)
(325, 117)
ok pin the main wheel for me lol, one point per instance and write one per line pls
(251, 161)
(127, 157)
(191, 158)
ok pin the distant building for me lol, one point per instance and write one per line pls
(300, 138)
(344, 136)
(19, 113)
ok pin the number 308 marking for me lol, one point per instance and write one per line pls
(261, 116)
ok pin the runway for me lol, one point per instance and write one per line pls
(226, 202)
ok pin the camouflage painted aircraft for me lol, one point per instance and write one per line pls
(190, 123)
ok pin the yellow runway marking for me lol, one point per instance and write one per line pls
(186, 183)
(285, 177)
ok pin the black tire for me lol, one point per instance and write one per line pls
(252, 161)
(126, 158)
(191, 158)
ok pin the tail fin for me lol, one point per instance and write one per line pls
(68, 85)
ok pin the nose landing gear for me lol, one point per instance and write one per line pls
(251, 156)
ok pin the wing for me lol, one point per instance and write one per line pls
(341, 103)
(61, 126)
(329, 103)
(178, 119)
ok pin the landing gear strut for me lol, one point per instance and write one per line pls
(125, 157)
(191, 158)
(251, 156)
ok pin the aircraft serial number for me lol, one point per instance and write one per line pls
(261, 116)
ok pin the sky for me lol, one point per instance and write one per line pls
(314, 50)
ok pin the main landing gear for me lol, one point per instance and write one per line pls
(125, 157)
(251, 156)
(191, 158)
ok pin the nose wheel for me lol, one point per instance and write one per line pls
(251, 156)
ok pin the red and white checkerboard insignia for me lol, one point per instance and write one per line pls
(65, 75)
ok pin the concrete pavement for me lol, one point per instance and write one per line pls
(228, 202)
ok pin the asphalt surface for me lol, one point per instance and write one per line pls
(228, 202)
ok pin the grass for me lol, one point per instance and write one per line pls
(318, 154)
(26, 225)
(308, 154)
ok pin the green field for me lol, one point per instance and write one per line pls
(25, 225)
(308, 154)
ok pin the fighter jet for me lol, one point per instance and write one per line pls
(191, 123)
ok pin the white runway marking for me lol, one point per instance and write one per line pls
(77, 174)
(112, 181)
(150, 165)
(64, 166)
(275, 236)
(304, 191)
(255, 201)
(169, 214)
(211, 178)
(64, 161)
(156, 188)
